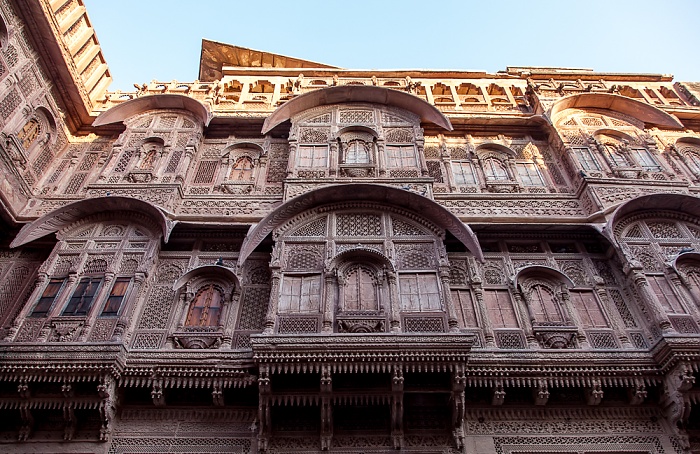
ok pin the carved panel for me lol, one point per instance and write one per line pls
(510, 339)
(298, 325)
(358, 225)
(424, 324)
(419, 256)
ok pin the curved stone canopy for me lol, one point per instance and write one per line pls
(357, 93)
(361, 192)
(73, 212)
(544, 270)
(121, 112)
(204, 269)
(668, 202)
(645, 112)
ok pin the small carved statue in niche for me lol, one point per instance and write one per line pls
(149, 156)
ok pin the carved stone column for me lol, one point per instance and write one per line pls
(522, 311)
(184, 166)
(381, 157)
(291, 164)
(326, 408)
(264, 420)
(447, 294)
(572, 317)
(459, 383)
(420, 145)
(123, 321)
(658, 314)
(328, 303)
(334, 154)
(489, 336)
(271, 316)
(397, 387)
(395, 315)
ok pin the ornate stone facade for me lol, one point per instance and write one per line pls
(305, 258)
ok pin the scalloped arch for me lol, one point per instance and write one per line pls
(211, 270)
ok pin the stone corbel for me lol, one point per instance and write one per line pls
(499, 394)
(675, 400)
(459, 383)
(157, 393)
(217, 394)
(326, 408)
(107, 392)
(594, 394)
(638, 393)
(397, 387)
(541, 393)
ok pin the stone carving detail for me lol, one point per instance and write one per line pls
(298, 325)
(415, 256)
(253, 308)
(157, 310)
(304, 257)
(316, 227)
(147, 341)
(602, 340)
(358, 225)
(30, 330)
(402, 228)
(510, 339)
(102, 331)
(424, 325)
(398, 135)
(356, 117)
(363, 325)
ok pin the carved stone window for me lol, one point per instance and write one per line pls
(645, 159)
(149, 155)
(48, 297)
(357, 153)
(116, 297)
(545, 306)
(419, 292)
(588, 309)
(495, 170)
(500, 308)
(616, 155)
(29, 133)
(586, 158)
(83, 296)
(359, 292)
(463, 172)
(399, 156)
(205, 309)
(300, 293)
(242, 170)
(313, 156)
(464, 304)
(665, 294)
(529, 175)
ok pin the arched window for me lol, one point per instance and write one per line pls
(29, 132)
(545, 308)
(242, 170)
(359, 292)
(494, 170)
(205, 309)
(616, 156)
(645, 159)
(357, 153)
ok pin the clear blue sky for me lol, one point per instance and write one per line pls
(158, 39)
